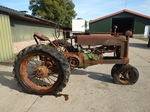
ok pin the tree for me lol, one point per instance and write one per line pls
(60, 11)
(86, 25)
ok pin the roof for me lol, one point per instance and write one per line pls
(22, 15)
(119, 12)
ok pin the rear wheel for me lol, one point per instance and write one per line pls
(126, 75)
(41, 69)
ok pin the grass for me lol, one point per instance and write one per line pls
(15, 55)
(144, 39)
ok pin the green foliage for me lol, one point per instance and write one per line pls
(86, 25)
(60, 11)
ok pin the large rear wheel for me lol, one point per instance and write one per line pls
(41, 69)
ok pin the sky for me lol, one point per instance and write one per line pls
(91, 9)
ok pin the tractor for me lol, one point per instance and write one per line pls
(45, 68)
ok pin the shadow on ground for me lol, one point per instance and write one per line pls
(139, 45)
(7, 79)
(8, 62)
(94, 75)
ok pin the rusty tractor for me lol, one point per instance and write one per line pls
(45, 69)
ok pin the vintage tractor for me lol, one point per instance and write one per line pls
(45, 69)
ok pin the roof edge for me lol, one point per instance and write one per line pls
(12, 12)
(121, 11)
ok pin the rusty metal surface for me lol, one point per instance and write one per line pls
(75, 59)
(41, 37)
(40, 72)
(128, 33)
(127, 77)
(99, 40)
(106, 61)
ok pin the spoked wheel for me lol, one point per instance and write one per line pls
(126, 75)
(41, 69)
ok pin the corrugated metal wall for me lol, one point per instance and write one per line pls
(6, 50)
(101, 26)
(23, 30)
(139, 25)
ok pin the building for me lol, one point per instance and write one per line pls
(124, 20)
(17, 27)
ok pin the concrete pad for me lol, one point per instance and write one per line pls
(89, 90)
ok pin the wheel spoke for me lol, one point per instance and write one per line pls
(53, 75)
(46, 84)
(42, 83)
(30, 71)
(49, 80)
(34, 80)
(38, 81)
(35, 60)
(33, 66)
(52, 79)
(32, 77)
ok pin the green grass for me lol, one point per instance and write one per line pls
(15, 55)
(144, 39)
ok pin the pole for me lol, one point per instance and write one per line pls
(148, 42)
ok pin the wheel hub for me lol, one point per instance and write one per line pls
(126, 77)
(74, 62)
(42, 71)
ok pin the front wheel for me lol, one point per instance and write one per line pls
(114, 69)
(41, 69)
(126, 74)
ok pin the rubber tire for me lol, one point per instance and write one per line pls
(114, 69)
(126, 67)
(61, 60)
(62, 42)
